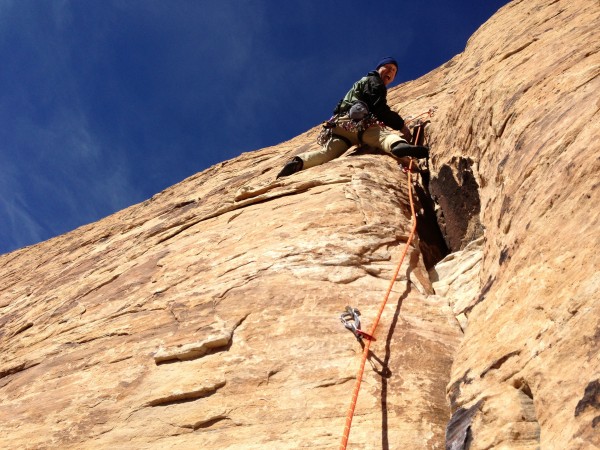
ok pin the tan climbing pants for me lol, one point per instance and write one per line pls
(374, 136)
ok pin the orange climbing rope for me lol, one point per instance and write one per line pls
(359, 375)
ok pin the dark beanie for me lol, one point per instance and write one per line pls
(386, 60)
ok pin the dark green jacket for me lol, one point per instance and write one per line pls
(371, 90)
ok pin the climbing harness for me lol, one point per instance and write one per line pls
(351, 320)
(350, 312)
(327, 132)
(361, 125)
(353, 126)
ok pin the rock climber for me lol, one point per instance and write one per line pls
(362, 117)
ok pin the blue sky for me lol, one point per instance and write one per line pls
(104, 103)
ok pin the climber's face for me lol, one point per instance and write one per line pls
(387, 73)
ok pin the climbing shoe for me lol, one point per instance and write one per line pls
(401, 149)
(295, 165)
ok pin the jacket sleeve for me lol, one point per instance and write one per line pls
(375, 95)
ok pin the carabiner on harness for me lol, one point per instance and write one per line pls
(327, 130)
(351, 320)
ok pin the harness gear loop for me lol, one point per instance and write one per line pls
(360, 126)
(367, 345)
(327, 130)
(353, 126)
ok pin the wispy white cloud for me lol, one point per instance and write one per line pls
(58, 172)
(66, 179)
(18, 226)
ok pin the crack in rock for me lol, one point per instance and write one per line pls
(458, 431)
(208, 423)
(499, 362)
(176, 398)
(193, 350)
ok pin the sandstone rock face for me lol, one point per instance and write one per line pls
(208, 316)
(198, 321)
(528, 118)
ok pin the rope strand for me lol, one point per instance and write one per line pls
(361, 370)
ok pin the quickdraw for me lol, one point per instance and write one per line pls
(351, 320)
(429, 113)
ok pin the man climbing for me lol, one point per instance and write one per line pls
(361, 117)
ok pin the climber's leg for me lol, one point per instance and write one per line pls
(392, 143)
(340, 141)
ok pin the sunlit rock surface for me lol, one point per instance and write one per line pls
(208, 316)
